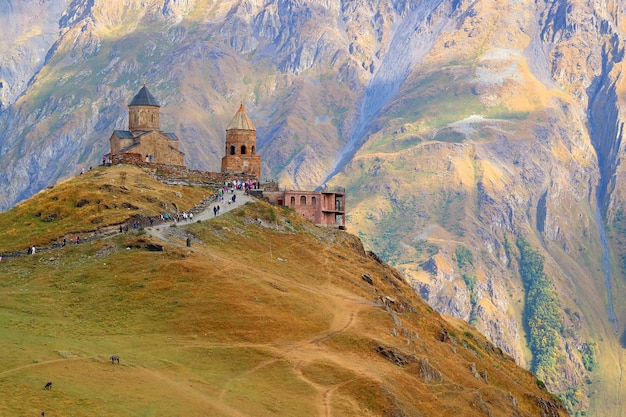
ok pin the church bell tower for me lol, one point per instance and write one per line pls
(241, 156)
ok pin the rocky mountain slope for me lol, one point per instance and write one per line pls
(480, 141)
(231, 325)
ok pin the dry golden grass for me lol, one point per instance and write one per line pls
(100, 197)
(265, 315)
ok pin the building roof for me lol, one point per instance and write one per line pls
(172, 136)
(124, 134)
(144, 98)
(241, 121)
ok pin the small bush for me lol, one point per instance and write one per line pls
(271, 213)
(464, 257)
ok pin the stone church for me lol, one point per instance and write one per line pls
(144, 136)
(145, 140)
(144, 143)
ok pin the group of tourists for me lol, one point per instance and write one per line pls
(32, 250)
(246, 185)
(231, 186)
(178, 217)
(228, 188)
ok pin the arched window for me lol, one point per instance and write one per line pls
(293, 201)
(313, 202)
(136, 118)
(303, 200)
(232, 150)
(152, 118)
(243, 149)
(253, 150)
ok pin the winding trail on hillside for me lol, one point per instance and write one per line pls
(299, 353)
(241, 198)
(183, 388)
(158, 230)
(301, 356)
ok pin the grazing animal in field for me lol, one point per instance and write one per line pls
(115, 358)
(48, 386)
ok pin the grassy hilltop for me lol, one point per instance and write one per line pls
(264, 315)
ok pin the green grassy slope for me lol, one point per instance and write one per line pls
(264, 315)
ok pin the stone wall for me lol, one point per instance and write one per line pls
(179, 172)
(248, 164)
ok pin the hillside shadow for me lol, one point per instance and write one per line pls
(622, 339)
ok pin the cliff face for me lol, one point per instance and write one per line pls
(30, 28)
(456, 126)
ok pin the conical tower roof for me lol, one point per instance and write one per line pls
(144, 98)
(241, 121)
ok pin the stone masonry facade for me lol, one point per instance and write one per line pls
(181, 173)
(144, 135)
(146, 146)
(240, 155)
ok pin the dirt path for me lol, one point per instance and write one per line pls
(299, 355)
(42, 363)
(161, 231)
(183, 389)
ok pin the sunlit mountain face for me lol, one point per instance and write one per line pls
(480, 143)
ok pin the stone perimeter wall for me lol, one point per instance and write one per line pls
(180, 172)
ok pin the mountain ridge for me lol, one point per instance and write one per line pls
(507, 127)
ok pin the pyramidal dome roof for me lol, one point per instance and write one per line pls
(241, 121)
(144, 98)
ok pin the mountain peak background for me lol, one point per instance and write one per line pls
(478, 141)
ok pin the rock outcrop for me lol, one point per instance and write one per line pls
(452, 124)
